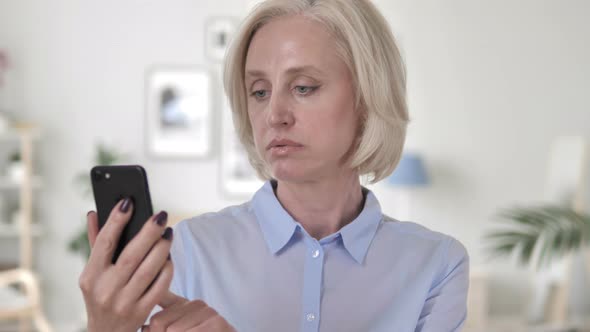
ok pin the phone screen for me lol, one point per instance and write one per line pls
(110, 184)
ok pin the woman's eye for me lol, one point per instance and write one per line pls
(259, 94)
(304, 90)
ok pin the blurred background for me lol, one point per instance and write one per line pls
(498, 98)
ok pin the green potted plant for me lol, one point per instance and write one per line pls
(539, 234)
(104, 156)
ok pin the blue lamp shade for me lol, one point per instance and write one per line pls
(410, 172)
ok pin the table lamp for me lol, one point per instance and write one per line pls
(410, 173)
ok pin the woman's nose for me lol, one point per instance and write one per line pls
(279, 113)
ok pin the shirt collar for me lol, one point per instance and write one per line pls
(278, 226)
(358, 235)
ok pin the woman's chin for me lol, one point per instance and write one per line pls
(289, 174)
(287, 177)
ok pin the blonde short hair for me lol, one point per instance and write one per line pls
(365, 43)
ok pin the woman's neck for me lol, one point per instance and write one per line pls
(322, 207)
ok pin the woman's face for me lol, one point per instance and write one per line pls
(300, 100)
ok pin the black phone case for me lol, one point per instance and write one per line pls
(122, 181)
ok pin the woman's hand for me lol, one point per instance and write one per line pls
(119, 297)
(179, 314)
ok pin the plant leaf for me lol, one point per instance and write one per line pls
(539, 234)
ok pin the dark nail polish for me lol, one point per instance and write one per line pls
(125, 205)
(167, 234)
(161, 218)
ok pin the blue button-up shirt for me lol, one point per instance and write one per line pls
(262, 271)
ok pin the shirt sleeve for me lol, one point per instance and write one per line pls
(445, 308)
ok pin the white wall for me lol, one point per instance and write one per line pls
(490, 84)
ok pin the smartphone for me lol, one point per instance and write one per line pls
(110, 184)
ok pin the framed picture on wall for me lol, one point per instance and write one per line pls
(179, 116)
(238, 178)
(218, 34)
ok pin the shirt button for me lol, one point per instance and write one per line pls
(310, 317)
(315, 254)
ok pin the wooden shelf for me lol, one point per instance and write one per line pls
(12, 296)
(10, 183)
(14, 133)
(23, 232)
(8, 230)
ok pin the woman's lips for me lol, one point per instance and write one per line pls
(281, 142)
(284, 150)
(280, 147)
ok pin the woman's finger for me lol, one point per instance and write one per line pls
(214, 323)
(107, 239)
(137, 249)
(159, 287)
(196, 314)
(177, 317)
(92, 223)
(148, 269)
(169, 299)
(162, 320)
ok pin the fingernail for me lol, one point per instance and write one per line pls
(167, 234)
(125, 205)
(161, 218)
(89, 212)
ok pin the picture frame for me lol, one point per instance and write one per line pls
(238, 179)
(218, 34)
(179, 117)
